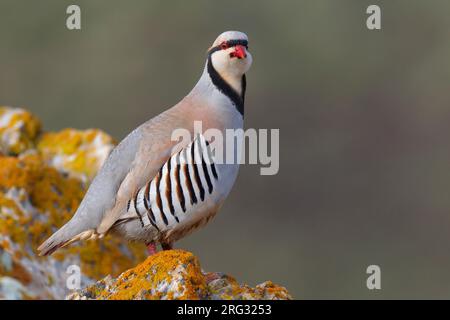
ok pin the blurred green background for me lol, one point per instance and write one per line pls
(363, 116)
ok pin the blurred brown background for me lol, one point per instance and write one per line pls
(363, 117)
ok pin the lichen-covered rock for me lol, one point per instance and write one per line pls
(176, 274)
(37, 197)
(18, 130)
(79, 153)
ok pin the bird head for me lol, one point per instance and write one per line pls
(229, 54)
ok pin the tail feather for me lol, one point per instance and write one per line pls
(62, 238)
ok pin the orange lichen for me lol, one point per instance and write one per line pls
(102, 257)
(176, 274)
(77, 152)
(56, 197)
(158, 270)
(47, 190)
(18, 129)
(272, 290)
(17, 271)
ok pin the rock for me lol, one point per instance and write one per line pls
(176, 274)
(40, 188)
(18, 130)
(78, 153)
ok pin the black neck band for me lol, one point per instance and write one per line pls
(226, 89)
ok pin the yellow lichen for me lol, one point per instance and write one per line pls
(80, 153)
(40, 183)
(56, 197)
(41, 188)
(17, 271)
(268, 288)
(143, 280)
(176, 274)
(18, 130)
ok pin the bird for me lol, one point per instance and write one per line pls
(148, 189)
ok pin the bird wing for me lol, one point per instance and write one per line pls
(135, 160)
(150, 157)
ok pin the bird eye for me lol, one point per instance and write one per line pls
(224, 45)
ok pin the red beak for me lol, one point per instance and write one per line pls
(239, 52)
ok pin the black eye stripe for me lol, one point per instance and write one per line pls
(233, 43)
(230, 43)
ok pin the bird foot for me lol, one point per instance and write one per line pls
(151, 249)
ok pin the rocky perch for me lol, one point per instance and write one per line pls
(43, 177)
(176, 274)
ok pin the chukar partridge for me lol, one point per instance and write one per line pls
(150, 189)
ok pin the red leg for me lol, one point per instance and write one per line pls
(151, 248)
